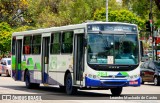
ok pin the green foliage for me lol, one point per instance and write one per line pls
(142, 8)
(5, 37)
(8, 10)
(119, 16)
(113, 5)
(24, 28)
(158, 23)
(80, 12)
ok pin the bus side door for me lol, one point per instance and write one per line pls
(18, 55)
(45, 57)
(78, 56)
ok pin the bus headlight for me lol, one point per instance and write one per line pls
(90, 76)
(159, 73)
(133, 77)
(93, 76)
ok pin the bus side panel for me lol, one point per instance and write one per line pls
(33, 64)
(66, 62)
(59, 64)
(52, 75)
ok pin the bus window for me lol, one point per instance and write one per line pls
(36, 44)
(27, 45)
(67, 42)
(55, 43)
(13, 45)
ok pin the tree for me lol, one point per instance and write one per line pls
(142, 8)
(5, 37)
(119, 16)
(157, 3)
(9, 8)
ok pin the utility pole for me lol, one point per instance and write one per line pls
(107, 10)
(151, 25)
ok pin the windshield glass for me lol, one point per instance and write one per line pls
(112, 49)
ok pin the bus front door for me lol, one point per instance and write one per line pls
(78, 59)
(45, 59)
(17, 75)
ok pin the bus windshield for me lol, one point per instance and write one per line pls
(121, 48)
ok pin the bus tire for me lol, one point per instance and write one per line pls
(68, 84)
(116, 91)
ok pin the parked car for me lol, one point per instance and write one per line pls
(150, 72)
(5, 66)
(145, 58)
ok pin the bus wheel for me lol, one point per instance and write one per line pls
(68, 84)
(116, 91)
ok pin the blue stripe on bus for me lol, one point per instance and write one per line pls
(19, 75)
(45, 80)
(109, 82)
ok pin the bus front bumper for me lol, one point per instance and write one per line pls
(111, 82)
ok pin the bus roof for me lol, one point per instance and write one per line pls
(63, 28)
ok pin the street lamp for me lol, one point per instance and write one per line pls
(107, 10)
(151, 32)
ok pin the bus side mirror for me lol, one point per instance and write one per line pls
(84, 42)
(141, 49)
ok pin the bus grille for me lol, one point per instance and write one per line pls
(114, 83)
(117, 76)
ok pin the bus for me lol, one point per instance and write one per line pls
(91, 55)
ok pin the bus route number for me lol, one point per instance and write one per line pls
(101, 74)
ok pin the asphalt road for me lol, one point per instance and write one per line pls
(15, 88)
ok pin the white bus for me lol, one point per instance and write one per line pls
(93, 55)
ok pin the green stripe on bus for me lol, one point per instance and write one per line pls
(13, 62)
(124, 73)
(23, 65)
(30, 67)
(30, 60)
(38, 66)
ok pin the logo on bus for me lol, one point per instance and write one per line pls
(113, 76)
